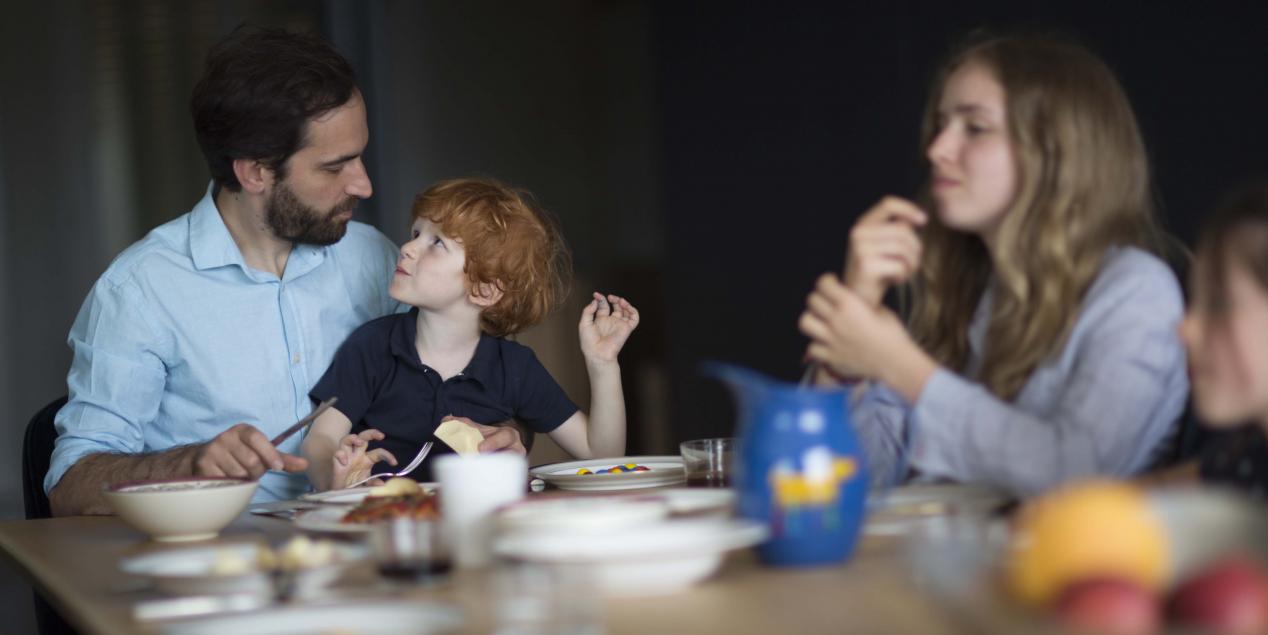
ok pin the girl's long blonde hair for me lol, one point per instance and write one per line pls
(1082, 187)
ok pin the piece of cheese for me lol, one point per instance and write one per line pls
(398, 486)
(463, 438)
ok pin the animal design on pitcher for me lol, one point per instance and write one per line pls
(819, 482)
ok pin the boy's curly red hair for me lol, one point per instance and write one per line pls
(510, 243)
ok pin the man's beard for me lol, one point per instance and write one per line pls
(292, 220)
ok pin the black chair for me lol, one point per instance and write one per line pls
(37, 449)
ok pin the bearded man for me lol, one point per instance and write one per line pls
(202, 340)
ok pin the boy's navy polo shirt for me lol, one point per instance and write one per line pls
(381, 383)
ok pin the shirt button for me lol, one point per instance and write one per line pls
(295, 359)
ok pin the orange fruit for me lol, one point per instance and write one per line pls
(1089, 529)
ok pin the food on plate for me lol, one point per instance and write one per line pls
(302, 553)
(616, 469)
(1227, 597)
(1109, 606)
(229, 562)
(297, 553)
(1088, 530)
(421, 505)
(463, 438)
(398, 486)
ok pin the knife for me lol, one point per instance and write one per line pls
(303, 423)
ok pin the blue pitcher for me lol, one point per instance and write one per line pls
(798, 467)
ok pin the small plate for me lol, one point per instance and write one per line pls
(352, 496)
(907, 506)
(189, 571)
(327, 519)
(662, 470)
(369, 617)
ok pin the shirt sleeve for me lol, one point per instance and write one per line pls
(880, 421)
(116, 378)
(1125, 388)
(353, 376)
(542, 404)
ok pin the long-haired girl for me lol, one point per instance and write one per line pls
(1042, 340)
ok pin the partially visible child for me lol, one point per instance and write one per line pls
(1226, 332)
(483, 263)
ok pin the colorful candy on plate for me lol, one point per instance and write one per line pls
(616, 469)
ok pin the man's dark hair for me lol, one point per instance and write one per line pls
(259, 88)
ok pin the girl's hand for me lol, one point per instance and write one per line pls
(605, 325)
(354, 460)
(849, 335)
(884, 248)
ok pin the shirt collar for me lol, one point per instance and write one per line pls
(482, 367)
(211, 245)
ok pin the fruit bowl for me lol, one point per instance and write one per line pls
(1213, 555)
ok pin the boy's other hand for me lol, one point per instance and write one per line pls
(354, 460)
(605, 325)
(497, 438)
(242, 452)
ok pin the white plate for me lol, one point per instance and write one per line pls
(663, 470)
(650, 559)
(581, 513)
(907, 506)
(371, 618)
(327, 520)
(189, 571)
(698, 500)
(352, 496)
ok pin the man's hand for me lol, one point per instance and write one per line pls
(242, 452)
(498, 438)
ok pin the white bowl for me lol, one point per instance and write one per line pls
(181, 509)
(648, 559)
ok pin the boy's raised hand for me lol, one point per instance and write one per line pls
(605, 325)
(354, 460)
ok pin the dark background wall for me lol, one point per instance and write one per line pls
(706, 159)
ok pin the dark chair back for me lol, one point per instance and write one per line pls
(37, 449)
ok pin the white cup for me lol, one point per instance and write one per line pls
(471, 488)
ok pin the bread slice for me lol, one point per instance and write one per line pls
(463, 438)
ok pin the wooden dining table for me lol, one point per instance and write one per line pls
(74, 563)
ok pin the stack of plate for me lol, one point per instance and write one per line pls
(631, 545)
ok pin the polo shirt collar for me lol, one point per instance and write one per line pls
(484, 363)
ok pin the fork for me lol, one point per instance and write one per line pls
(418, 460)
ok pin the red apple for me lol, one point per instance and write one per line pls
(1111, 606)
(1229, 597)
